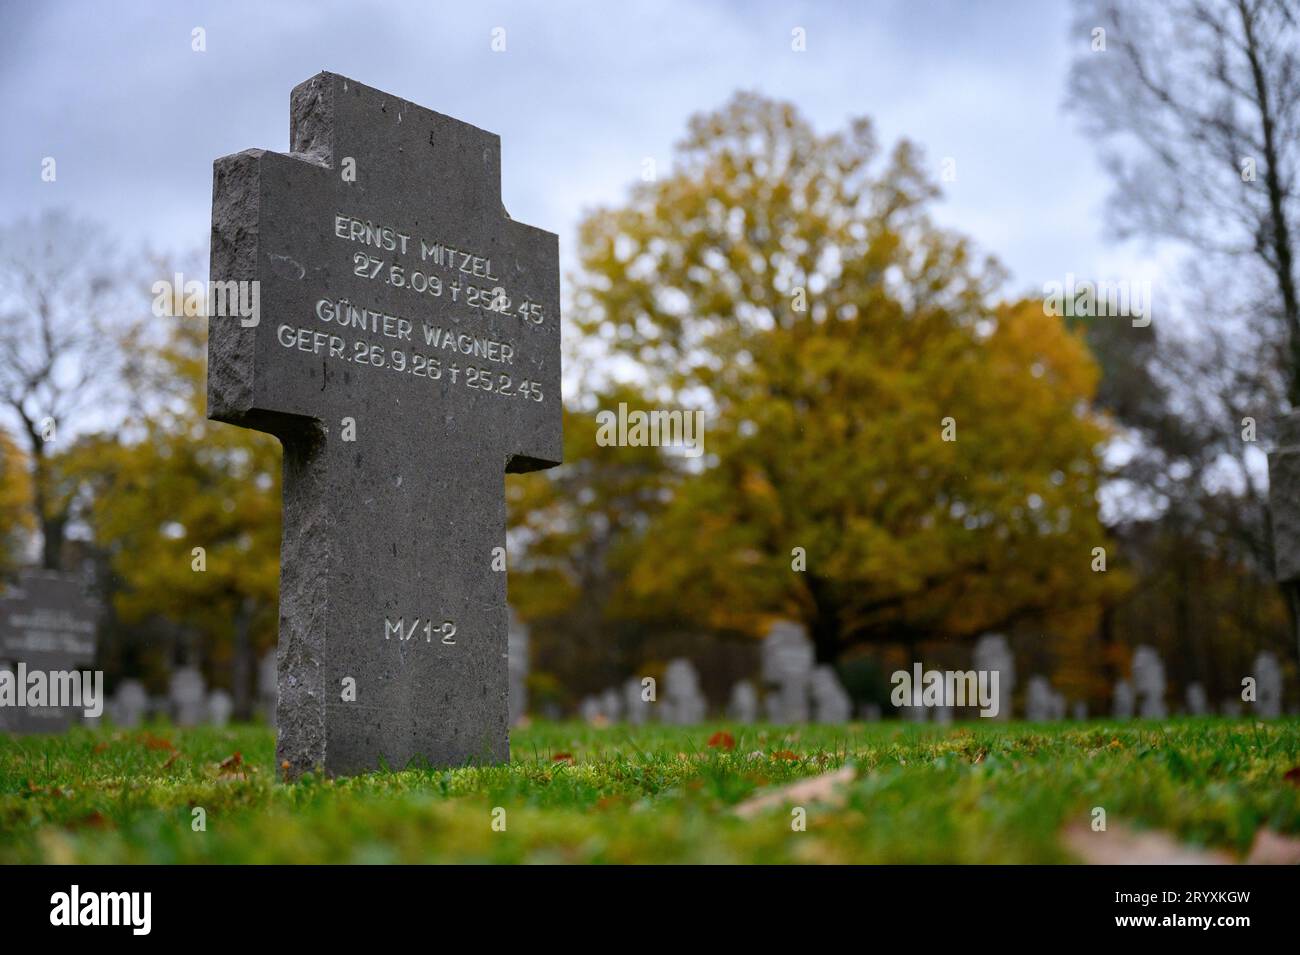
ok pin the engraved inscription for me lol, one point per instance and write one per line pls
(445, 631)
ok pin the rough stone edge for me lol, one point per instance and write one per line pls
(1284, 498)
(236, 203)
(301, 743)
(311, 118)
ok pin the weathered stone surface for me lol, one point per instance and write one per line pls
(1198, 703)
(402, 308)
(47, 623)
(1284, 498)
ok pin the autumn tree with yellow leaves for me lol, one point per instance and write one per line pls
(891, 456)
(187, 512)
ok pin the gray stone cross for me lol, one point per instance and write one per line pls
(407, 356)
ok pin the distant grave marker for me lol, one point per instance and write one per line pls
(188, 697)
(683, 704)
(993, 655)
(787, 665)
(47, 624)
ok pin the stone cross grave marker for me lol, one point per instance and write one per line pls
(1268, 686)
(831, 702)
(1149, 682)
(611, 704)
(743, 706)
(188, 697)
(787, 659)
(47, 624)
(220, 707)
(407, 356)
(1040, 701)
(130, 704)
(1123, 700)
(683, 703)
(993, 655)
(635, 705)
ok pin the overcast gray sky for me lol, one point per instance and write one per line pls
(583, 93)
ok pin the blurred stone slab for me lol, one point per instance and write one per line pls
(1284, 498)
(49, 624)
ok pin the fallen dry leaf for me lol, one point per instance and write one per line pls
(784, 754)
(233, 762)
(1292, 776)
(562, 758)
(1119, 845)
(817, 789)
(723, 740)
(232, 767)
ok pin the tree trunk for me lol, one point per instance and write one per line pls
(825, 634)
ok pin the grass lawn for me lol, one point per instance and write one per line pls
(574, 793)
